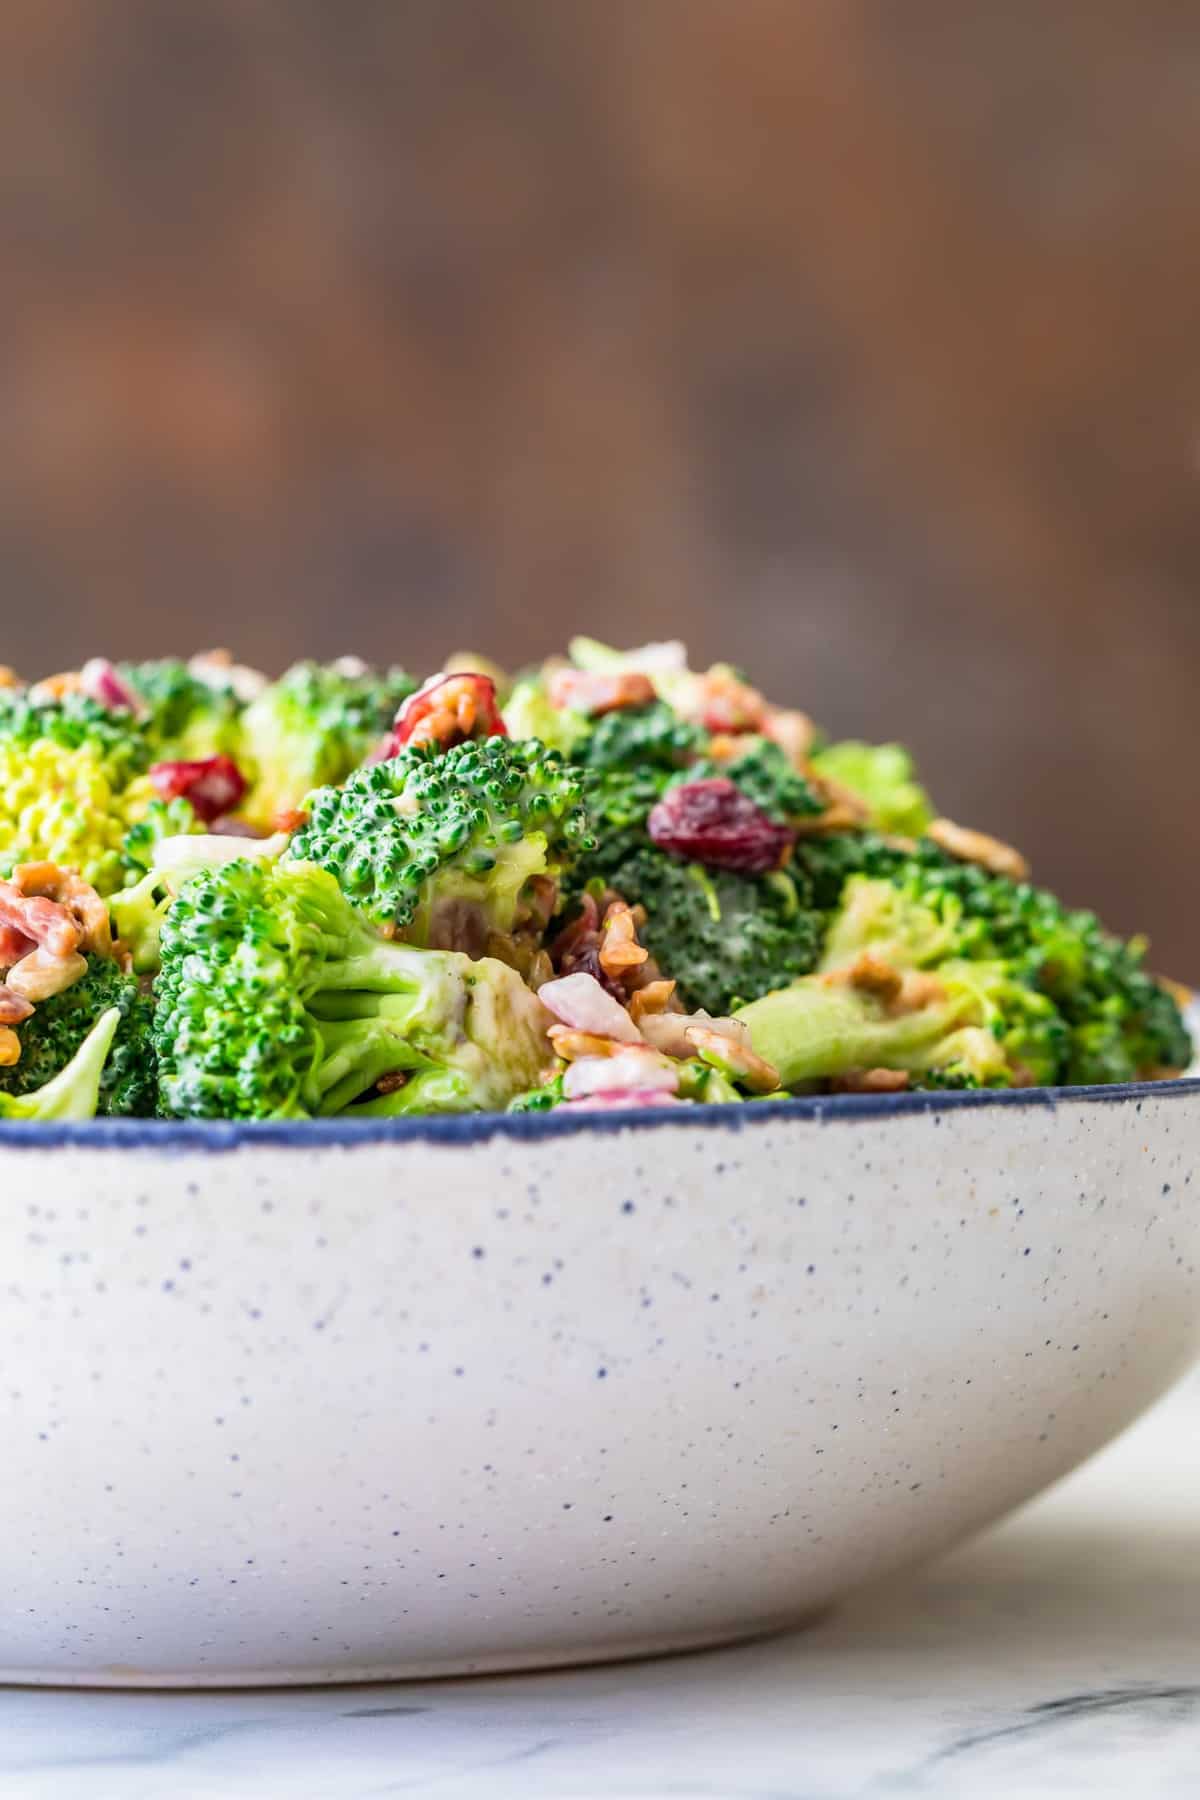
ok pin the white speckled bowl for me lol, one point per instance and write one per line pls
(335, 1402)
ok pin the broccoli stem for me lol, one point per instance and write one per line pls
(74, 1092)
(817, 1028)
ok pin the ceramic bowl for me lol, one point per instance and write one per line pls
(345, 1401)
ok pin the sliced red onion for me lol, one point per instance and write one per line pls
(628, 1071)
(627, 1097)
(214, 785)
(579, 1001)
(98, 679)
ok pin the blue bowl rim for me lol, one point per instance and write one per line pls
(171, 1135)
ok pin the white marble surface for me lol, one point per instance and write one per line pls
(1059, 1655)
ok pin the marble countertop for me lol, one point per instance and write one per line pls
(1057, 1655)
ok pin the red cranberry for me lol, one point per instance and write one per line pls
(214, 785)
(713, 822)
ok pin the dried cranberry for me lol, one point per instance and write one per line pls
(214, 785)
(446, 711)
(713, 822)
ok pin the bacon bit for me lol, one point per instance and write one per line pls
(650, 1001)
(213, 786)
(729, 704)
(977, 847)
(539, 897)
(41, 921)
(734, 1059)
(627, 1070)
(14, 1008)
(391, 1084)
(619, 948)
(42, 973)
(47, 915)
(10, 1047)
(448, 710)
(870, 1081)
(794, 732)
(593, 692)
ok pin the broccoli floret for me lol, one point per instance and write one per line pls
(187, 716)
(765, 775)
(639, 737)
(540, 1099)
(1121, 1024)
(441, 845)
(162, 819)
(72, 784)
(75, 1091)
(311, 727)
(1062, 1000)
(722, 935)
(60, 1024)
(276, 999)
(529, 713)
(882, 776)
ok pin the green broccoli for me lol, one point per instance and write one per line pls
(276, 999)
(765, 775)
(722, 935)
(312, 727)
(639, 738)
(188, 716)
(442, 845)
(58, 1027)
(72, 783)
(882, 776)
(74, 1092)
(1065, 1001)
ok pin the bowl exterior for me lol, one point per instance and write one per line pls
(315, 1409)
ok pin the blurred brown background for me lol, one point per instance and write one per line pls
(857, 341)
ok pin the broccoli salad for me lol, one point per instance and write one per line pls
(611, 881)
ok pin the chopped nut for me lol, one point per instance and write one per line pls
(14, 1007)
(10, 1047)
(391, 1083)
(652, 999)
(42, 973)
(873, 975)
(737, 1060)
(870, 1081)
(571, 1044)
(619, 948)
(977, 847)
(917, 991)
